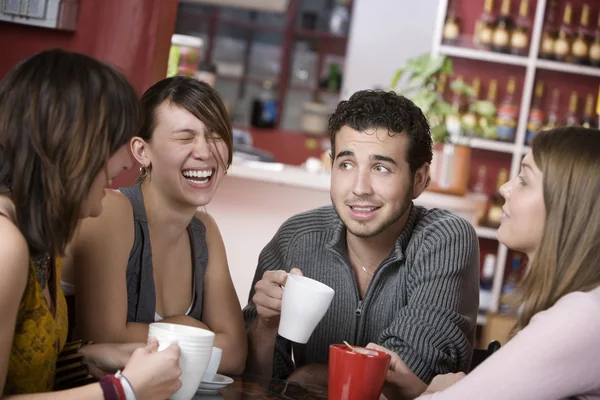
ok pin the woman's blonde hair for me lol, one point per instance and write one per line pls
(568, 258)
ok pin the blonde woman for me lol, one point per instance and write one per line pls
(551, 214)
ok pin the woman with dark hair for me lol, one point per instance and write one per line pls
(152, 253)
(552, 215)
(65, 120)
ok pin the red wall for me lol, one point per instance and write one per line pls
(132, 35)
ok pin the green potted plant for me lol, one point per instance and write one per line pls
(418, 80)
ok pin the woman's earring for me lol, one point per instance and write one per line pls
(143, 172)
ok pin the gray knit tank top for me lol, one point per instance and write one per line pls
(141, 298)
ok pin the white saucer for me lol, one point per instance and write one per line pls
(218, 383)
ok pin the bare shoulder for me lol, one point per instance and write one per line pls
(116, 216)
(209, 222)
(14, 255)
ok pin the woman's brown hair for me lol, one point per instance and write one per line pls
(568, 258)
(194, 96)
(62, 115)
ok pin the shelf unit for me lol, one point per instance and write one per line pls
(532, 64)
(215, 22)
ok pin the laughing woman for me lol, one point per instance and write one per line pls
(152, 256)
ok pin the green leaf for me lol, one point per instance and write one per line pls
(447, 67)
(432, 66)
(439, 134)
(490, 132)
(424, 100)
(396, 78)
(415, 81)
(442, 108)
(484, 107)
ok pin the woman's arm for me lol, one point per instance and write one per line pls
(554, 357)
(151, 374)
(14, 269)
(100, 252)
(221, 308)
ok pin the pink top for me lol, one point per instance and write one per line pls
(556, 356)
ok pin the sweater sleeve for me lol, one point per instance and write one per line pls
(272, 258)
(554, 357)
(434, 332)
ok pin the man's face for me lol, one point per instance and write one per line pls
(371, 184)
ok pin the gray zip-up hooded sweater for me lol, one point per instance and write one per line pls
(422, 301)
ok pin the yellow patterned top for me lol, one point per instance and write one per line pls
(39, 338)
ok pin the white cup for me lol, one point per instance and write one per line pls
(213, 365)
(304, 303)
(196, 347)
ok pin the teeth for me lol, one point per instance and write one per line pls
(363, 209)
(197, 174)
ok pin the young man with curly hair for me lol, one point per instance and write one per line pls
(405, 277)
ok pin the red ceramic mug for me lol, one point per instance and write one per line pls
(356, 376)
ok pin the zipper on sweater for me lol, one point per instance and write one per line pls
(358, 311)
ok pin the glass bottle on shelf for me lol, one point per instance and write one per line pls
(511, 282)
(480, 193)
(588, 120)
(503, 30)
(508, 113)
(595, 46)
(494, 212)
(339, 18)
(552, 121)
(549, 32)
(264, 108)
(562, 45)
(453, 120)
(469, 118)
(452, 26)
(536, 113)
(581, 44)
(519, 40)
(484, 27)
(572, 117)
(486, 282)
(492, 95)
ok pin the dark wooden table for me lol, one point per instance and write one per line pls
(250, 387)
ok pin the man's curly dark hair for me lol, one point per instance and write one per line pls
(370, 109)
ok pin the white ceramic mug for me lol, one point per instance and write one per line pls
(304, 303)
(196, 348)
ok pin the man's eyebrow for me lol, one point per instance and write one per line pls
(345, 153)
(379, 157)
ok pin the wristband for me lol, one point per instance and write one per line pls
(129, 393)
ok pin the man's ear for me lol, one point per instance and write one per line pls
(139, 149)
(421, 180)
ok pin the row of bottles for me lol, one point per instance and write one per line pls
(568, 42)
(497, 32)
(500, 126)
(502, 32)
(538, 120)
